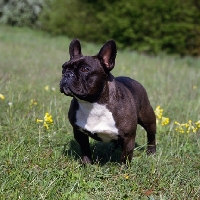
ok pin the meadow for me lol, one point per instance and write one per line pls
(39, 158)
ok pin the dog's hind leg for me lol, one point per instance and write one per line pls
(147, 120)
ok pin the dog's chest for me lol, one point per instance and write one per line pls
(96, 119)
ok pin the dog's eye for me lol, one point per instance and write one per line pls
(85, 69)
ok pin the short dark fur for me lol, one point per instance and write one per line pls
(88, 78)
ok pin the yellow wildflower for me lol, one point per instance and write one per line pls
(198, 124)
(2, 97)
(194, 87)
(46, 125)
(176, 123)
(33, 102)
(187, 127)
(46, 121)
(46, 88)
(158, 112)
(159, 116)
(191, 127)
(179, 127)
(164, 121)
(126, 176)
(39, 120)
(48, 118)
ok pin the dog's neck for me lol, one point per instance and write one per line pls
(109, 90)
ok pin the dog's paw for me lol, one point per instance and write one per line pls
(151, 150)
(86, 160)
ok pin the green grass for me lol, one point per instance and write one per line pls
(44, 164)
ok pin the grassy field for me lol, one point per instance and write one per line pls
(39, 163)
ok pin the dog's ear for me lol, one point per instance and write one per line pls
(75, 48)
(107, 54)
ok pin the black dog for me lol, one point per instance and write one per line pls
(103, 107)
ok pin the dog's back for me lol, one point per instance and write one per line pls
(136, 89)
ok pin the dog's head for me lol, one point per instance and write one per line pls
(84, 77)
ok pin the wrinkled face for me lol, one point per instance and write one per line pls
(83, 77)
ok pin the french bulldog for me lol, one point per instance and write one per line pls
(103, 107)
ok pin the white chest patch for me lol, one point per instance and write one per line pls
(96, 118)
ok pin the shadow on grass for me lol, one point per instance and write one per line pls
(102, 153)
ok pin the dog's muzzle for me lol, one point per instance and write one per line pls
(66, 78)
(65, 82)
(69, 75)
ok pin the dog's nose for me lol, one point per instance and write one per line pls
(69, 74)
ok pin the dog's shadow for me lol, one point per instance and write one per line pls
(102, 153)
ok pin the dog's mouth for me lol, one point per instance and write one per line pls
(66, 90)
(73, 90)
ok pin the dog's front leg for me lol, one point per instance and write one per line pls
(128, 146)
(83, 141)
